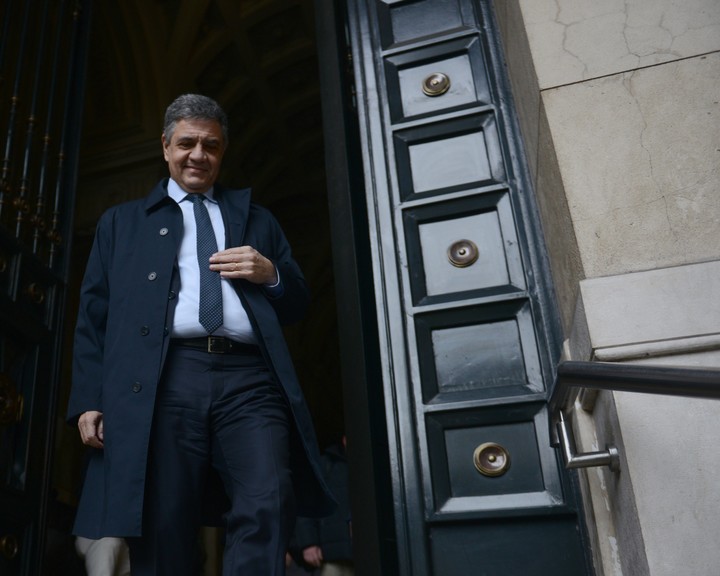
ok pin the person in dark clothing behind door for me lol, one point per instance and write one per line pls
(181, 374)
(326, 543)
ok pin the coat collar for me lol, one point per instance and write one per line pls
(234, 204)
(158, 196)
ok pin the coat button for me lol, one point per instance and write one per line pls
(166, 331)
(136, 387)
(144, 331)
(163, 231)
(172, 295)
(152, 276)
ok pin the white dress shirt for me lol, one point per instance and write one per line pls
(236, 324)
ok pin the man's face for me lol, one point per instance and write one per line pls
(194, 154)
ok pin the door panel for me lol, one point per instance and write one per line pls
(456, 485)
(461, 60)
(468, 333)
(441, 157)
(463, 248)
(510, 546)
(477, 353)
(401, 22)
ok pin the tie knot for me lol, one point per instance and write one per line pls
(195, 198)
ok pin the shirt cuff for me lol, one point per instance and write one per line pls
(274, 290)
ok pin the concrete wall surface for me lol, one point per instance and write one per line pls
(618, 103)
(640, 160)
(659, 514)
(619, 106)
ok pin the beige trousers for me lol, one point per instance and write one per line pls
(104, 557)
(337, 569)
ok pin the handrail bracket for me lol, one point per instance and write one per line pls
(609, 457)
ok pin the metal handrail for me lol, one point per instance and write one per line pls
(642, 378)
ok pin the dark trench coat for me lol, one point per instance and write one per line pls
(121, 340)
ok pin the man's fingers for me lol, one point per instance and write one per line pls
(91, 429)
(244, 262)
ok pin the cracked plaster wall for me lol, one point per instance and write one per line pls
(639, 154)
(618, 105)
(630, 90)
(576, 40)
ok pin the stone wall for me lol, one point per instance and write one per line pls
(619, 109)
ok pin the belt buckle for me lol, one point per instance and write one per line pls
(216, 345)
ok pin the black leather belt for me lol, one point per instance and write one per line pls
(217, 345)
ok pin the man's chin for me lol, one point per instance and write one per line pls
(196, 185)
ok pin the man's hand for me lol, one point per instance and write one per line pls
(91, 428)
(244, 262)
(313, 556)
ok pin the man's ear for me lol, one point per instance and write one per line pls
(164, 147)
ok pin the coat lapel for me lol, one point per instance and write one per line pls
(235, 208)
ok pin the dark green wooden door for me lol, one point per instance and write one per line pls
(467, 328)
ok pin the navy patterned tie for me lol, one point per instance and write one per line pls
(210, 313)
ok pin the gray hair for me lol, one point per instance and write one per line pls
(194, 107)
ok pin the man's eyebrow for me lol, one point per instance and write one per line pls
(193, 138)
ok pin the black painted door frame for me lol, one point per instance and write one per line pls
(454, 358)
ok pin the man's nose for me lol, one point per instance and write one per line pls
(198, 152)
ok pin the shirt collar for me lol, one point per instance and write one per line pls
(178, 194)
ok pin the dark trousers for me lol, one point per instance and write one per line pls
(226, 412)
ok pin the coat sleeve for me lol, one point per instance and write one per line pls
(89, 342)
(291, 301)
(307, 533)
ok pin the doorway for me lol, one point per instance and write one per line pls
(418, 506)
(259, 61)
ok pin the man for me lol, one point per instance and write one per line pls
(181, 375)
